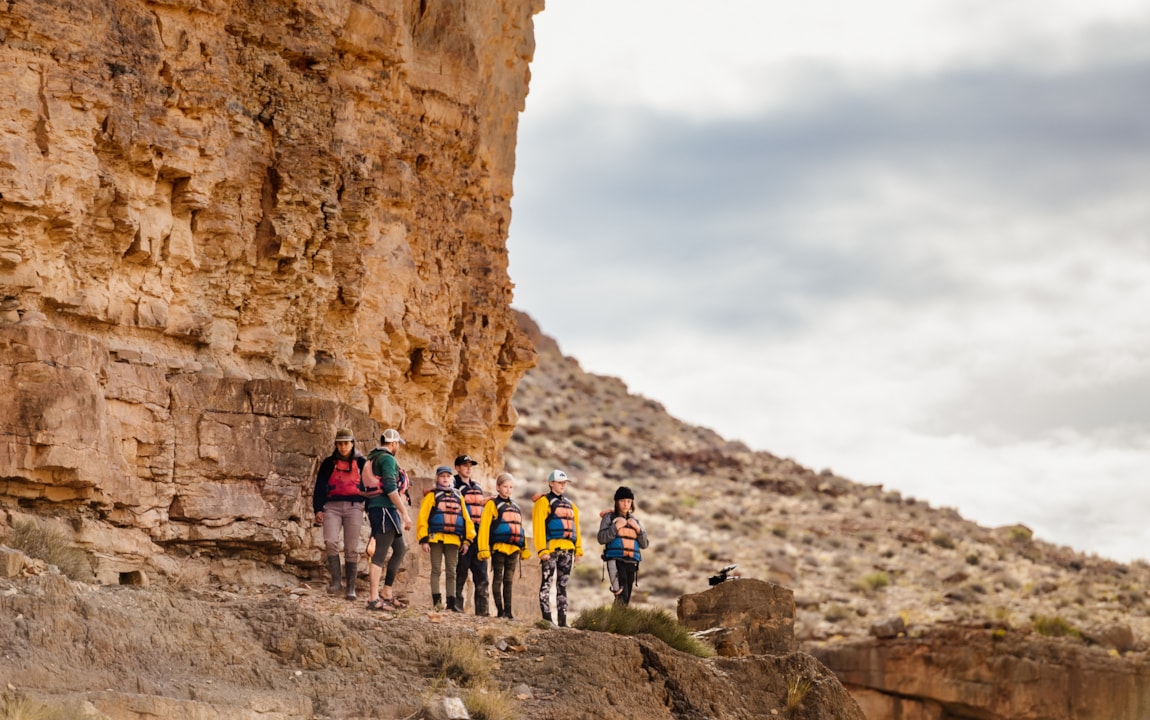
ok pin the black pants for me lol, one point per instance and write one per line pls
(502, 578)
(623, 574)
(470, 562)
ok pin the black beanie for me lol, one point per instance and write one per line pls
(624, 493)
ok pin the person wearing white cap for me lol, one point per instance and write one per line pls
(558, 543)
(388, 515)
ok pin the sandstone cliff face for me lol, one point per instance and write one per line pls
(227, 228)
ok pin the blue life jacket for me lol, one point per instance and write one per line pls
(561, 519)
(625, 545)
(447, 514)
(507, 528)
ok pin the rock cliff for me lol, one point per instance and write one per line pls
(229, 227)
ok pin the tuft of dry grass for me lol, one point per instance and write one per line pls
(40, 542)
(797, 690)
(626, 620)
(20, 708)
(485, 703)
(463, 660)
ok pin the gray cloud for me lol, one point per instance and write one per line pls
(670, 217)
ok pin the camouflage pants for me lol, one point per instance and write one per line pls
(558, 563)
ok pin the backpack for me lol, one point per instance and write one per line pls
(369, 483)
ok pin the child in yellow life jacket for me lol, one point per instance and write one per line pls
(443, 529)
(555, 523)
(501, 539)
(623, 537)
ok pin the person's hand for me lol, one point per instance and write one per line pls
(633, 523)
(319, 518)
(484, 555)
(620, 523)
(425, 547)
(406, 522)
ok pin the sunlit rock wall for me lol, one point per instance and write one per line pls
(227, 228)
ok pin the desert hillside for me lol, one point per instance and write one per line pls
(864, 562)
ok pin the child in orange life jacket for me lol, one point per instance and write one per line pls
(501, 539)
(555, 524)
(623, 536)
(443, 529)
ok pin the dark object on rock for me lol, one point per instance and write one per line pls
(723, 575)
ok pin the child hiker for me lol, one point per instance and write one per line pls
(444, 528)
(501, 539)
(623, 536)
(555, 523)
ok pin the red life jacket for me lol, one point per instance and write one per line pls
(344, 479)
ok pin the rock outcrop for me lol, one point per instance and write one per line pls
(227, 228)
(980, 674)
(743, 617)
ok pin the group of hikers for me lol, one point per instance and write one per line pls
(461, 529)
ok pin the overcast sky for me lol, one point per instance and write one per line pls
(906, 241)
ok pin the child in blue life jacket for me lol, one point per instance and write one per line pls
(624, 538)
(558, 543)
(501, 539)
(443, 529)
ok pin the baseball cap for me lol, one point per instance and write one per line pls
(443, 469)
(557, 476)
(391, 435)
(464, 460)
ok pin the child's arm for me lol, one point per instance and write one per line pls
(485, 530)
(607, 531)
(424, 516)
(468, 526)
(642, 533)
(578, 535)
(539, 526)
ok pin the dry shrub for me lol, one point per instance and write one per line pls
(19, 708)
(484, 703)
(463, 660)
(40, 542)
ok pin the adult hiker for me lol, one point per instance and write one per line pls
(501, 539)
(624, 537)
(338, 507)
(389, 517)
(444, 528)
(555, 525)
(469, 561)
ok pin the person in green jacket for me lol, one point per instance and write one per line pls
(387, 513)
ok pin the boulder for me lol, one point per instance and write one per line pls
(743, 617)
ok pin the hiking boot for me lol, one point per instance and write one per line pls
(547, 617)
(481, 606)
(451, 603)
(437, 601)
(349, 571)
(562, 618)
(333, 567)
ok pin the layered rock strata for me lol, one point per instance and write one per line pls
(227, 228)
(979, 674)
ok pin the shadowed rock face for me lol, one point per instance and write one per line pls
(226, 229)
(975, 674)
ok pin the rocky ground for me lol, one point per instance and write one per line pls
(78, 650)
(856, 556)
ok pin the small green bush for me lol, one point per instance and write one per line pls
(1054, 626)
(626, 620)
(874, 581)
(943, 540)
(836, 613)
(40, 542)
(586, 575)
